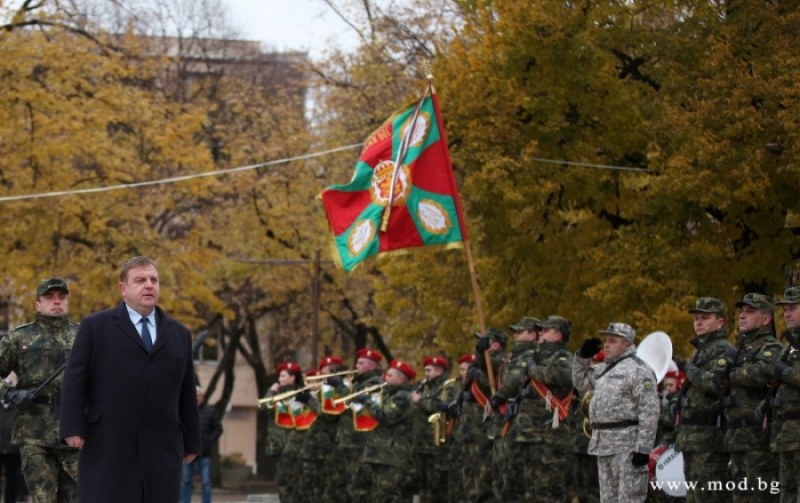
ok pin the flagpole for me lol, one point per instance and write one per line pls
(476, 294)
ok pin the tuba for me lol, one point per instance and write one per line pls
(656, 351)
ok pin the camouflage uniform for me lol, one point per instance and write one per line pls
(387, 450)
(319, 441)
(785, 425)
(34, 352)
(543, 437)
(276, 444)
(430, 461)
(350, 478)
(624, 416)
(476, 462)
(745, 438)
(699, 432)
(584, 486)
(513, 378)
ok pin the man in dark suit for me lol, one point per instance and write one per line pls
(128, 399)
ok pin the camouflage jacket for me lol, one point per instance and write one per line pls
(434, 397)
(470, 426)
(749, 383)
(34, 352)
(551, 366)
(624, 408)
(320, 440)
(388, 443)
(276, 435)
(699, 400)
(346, 435)
(785, 408)
(499, 360)
(513, 376)
(666, 421)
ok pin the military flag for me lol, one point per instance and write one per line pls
(407, 161)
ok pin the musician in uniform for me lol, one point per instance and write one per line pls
(698, 414)
(387, 451)
(749, 378)
(431, 462)
(457, 460)
(540, 431)
(623, 412)
(785, 407)
(320, 444)
(484, 454)
(290, 378)
(585, 486)
(513, 379)
(351, 433)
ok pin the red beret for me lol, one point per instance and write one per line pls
(435, 360)
(289, 367)
(467, 358)
(678, 375)
(404, 368)
(312, 372)
(331, 360)
(369, 353)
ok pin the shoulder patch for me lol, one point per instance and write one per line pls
(722, 362)
(648, 384)
(562, 358)
(768, 353)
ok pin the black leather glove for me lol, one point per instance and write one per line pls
(780, 366)
(638, 459)
(482, 345)
(303, 397)
(335, 381)
(590, 347)
(21, 398)
(495, 402)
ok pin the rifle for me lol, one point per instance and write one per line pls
(512, 407)
(725, 391)
(776, 382)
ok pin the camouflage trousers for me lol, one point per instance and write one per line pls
(51, 473)
(499, 460)
(546, 470)
(706, 467)
(585, 487)
(476, 470)
(455, 474)
(287, 470)
(789, 462)
(431, 477)
(359, 487)
(336, 477)
(620, 481)
(752, 472)
(389, 484)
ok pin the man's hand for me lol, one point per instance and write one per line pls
(495, 402)
(590, 347)
(75, 441)
(640, 459)
(189, 458)
(482, 345)
(21, 398)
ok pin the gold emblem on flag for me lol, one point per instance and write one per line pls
(433, 217)
(421, 127)
(360, 237)
(382, 183)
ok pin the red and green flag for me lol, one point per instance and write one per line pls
(425, 209)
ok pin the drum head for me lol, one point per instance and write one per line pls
(669, 472)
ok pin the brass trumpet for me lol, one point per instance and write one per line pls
(367, 390)
(320, 377)
(439, 420)
(270, 401)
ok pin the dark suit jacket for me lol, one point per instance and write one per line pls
(136, 411)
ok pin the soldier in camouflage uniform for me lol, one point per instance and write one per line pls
(623, 412)
(505, 402)
(387, 450)
(456, 457)
(585, 487)
(320, 442)
(541, 431)
(350, 474)
(36, 352)
(486, 454)
(290, 378)
(749, 378)
(431, 461)
(785, 407)
(698, 421)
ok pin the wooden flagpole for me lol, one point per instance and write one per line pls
(476, 294)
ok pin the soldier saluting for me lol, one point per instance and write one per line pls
(36, 353)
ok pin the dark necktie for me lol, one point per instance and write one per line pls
(146, 338)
